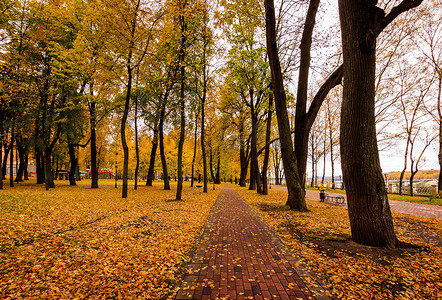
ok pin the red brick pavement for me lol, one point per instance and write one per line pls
(409, 208)
(239, 257)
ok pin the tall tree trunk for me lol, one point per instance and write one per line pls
(218, 169)
(439, 110)
(93, 123)
(295, 189)
(401, 177)
(194, 150)
(22, 166)
(137, 149)
(2, 173)
(25, 172)
(325, 160)
(39, 160)
(7, 148)
(49, 174)
(255, 182)
(11, 157)
(123, 128)
(410, 187)
(370, 216)
(244, 162)
(153, 153)
(162, 154)
(211, 164)
(73, 162)
(265, 187)
(203, 142)
(301, 117)
(182, 135)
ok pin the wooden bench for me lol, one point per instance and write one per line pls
(336, 198)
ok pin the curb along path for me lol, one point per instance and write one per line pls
(239, 257)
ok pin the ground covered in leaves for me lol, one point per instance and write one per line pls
(77, 242)
(321, 238)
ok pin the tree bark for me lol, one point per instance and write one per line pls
(11, 157)
(265, 187)
(162, 154)
(2, 173)
(7, 148)
(73, 162)
(22, 158)
(203, 142)
(137, 149)
(194, 150)
(123, 128)
(93, 123)
(153, 153)
(182, 135)
(218, 169)
(253, 148)
(296, 195)
(211, 165)
(370, 216)
(301, 117)
(439, 110)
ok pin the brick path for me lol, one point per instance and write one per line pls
(239, 257)
(416, 209)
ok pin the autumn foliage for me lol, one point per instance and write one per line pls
(77, 242)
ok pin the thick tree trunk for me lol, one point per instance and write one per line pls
(153, 153)
(162, 154)
(370, 216)
(73, 163)
(296, 198)
(22, 165)
(265, 187)
(39, 160)
(49, 174)
(244, 162)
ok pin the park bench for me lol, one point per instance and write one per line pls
(338, 199)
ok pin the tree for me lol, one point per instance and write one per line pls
(296, 198)
(132, 44)
(429, 41)
(370, 216)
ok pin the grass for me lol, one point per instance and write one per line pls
(78, 242)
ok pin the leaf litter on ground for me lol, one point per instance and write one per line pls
(77, 242)
(322, 239)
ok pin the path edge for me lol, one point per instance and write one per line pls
(311, 280)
